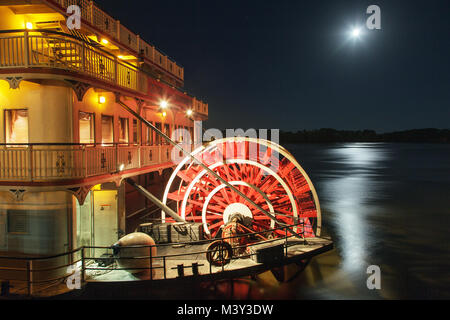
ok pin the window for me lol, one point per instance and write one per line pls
(135, 131)
(191, 133)
(148, 135)
(17, 221)
(107, 129)
(158, 137)
(16, 126)
(123, 130)
(166, 132)
(86, 124)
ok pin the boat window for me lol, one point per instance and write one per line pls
(86, 127)
(16, 126)
(166, 132)
(148, 135)
(135, 131)
(158, 137)
(123, 130)
(107, 130)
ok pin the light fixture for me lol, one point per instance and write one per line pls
(104, 41)
(189, 112)
(121, 57)
(163, 104)
(121, 167)
(101, 99)
(29, 25)
(164, 114)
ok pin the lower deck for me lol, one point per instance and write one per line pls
(166, 265)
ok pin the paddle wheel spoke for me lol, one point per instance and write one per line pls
(277, 190)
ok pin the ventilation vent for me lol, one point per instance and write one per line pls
(17, 221)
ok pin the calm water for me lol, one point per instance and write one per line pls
(386, 205)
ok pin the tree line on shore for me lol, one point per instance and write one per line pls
(326, 135)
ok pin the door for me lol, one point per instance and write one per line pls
(105, 220)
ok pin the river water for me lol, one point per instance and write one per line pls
(386, 205)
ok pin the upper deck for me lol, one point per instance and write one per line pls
(35, 43)
(103, 57)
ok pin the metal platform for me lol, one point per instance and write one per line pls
(171, 256)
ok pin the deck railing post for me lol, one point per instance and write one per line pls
(83, 266)
(164, 266)
(222, 257)
(286, 241)
(85, 162)
(26, 49)
(115, 70)
(83, 57)
(30, 159)
(151, 263)
(29, 277)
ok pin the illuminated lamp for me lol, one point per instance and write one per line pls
(101, 99)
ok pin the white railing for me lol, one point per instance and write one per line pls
(58, 162)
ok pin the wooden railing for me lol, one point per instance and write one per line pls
(48, 49)
(92, 14)
(56, 50)
(47, 162)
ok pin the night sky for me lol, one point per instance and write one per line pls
(291, 64)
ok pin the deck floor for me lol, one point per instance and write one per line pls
(190, 254)
(185, 255)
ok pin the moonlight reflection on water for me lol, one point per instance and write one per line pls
(385, 205)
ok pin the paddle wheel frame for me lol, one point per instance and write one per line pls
(266, 173)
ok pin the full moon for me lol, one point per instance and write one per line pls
(356, 32)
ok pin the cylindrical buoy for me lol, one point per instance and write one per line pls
(139, 264)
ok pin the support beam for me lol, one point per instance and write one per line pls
(155, 200)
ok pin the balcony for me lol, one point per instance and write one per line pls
(56, 162)
(99, 19)
(55, 50)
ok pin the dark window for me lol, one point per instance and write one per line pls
(123, 130)
(158, 137)
(107, 129)
(135, 131)
(166, 132)
(86, 127)
(148, 135)
(17, 221)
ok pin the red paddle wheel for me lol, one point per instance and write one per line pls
(263, 171)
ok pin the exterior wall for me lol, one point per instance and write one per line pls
(49, 111)
(91, 104)
(46, 229)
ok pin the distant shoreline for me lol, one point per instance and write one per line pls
(326, 135)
